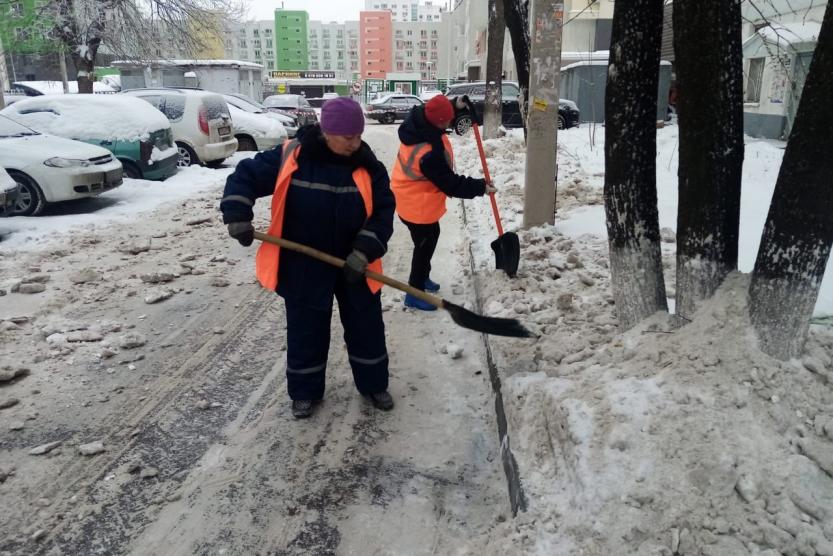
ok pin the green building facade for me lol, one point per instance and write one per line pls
(292, 47)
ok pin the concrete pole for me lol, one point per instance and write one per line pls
(546, 19)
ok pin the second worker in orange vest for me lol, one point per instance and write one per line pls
(423, 177)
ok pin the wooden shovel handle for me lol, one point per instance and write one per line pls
(335, 261)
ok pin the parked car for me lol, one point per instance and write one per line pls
(568, 112)
(425, 96)
(49, 169)
(8, 192)
(200, 122)
(255, 132)
(135, 132)
(389, 108)
(294, 105)
(243, 102)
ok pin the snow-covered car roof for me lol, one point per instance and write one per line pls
(107, 117)
(57, 87)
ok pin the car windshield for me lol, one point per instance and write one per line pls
(10, 128)
(282, 101)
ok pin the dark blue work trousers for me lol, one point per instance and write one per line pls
(308, 342)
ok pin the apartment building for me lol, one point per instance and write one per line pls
(334, 47)
(291, 39)
(416, 48)
(463, 37)
(375, 44)
(408, 10)
(253, 41)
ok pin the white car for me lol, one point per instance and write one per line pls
(49, 169)
(200, 122)
(243, 102)
(8, 192)
(255, 132)
(134, 131)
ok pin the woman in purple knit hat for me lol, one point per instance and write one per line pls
(331, 193)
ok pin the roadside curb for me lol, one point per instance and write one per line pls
(517, 497)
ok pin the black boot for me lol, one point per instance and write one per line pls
(382, 400)
(301, 409)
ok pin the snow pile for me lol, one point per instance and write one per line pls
(661, 440)
(89, 117)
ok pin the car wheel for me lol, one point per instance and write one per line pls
(187, 156)
(131, 170)
(388, 118)
(462, 125)
(246, 143)
(562, 123)
(30, 199)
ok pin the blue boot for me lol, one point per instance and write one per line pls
(417, 303)
(431, 286)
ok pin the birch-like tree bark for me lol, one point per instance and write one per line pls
(630, 188)
(798, 232)
(493, 110)
(709, 65)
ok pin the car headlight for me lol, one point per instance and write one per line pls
(59, 162)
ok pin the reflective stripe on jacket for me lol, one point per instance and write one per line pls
(418, 200)
(268, 255)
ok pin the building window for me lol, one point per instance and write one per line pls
(241, 43)
(268, 43)
(256, 33)
(754, 80)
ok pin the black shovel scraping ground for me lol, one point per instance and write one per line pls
(460, 315)
(507, 246)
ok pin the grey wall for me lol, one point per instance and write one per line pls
(585, 85)
(769, 126)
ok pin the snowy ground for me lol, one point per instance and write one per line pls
(658, 441)
(151, 337)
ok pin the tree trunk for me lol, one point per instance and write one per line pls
(709, 64)
(516, 13)
(493, 110)
(630, 161)
(84, 59)
(799, 229)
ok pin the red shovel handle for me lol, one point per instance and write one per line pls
(486, 174)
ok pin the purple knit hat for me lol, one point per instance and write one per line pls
(342, 116)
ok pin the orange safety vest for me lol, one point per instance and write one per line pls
(268, 255)
(418, 200)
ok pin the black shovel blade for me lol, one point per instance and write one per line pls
(487, 325)
(507, 250)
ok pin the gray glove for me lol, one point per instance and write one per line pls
(354, 266)
(243, 232)
(490, 188)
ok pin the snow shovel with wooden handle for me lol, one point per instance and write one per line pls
(507, 246)
(463, 317)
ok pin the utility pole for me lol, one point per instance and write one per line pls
(546, 19)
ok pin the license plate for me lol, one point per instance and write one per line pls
(225, 130)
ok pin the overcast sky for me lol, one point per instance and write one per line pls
(320, 10)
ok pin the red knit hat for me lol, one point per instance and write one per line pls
(438, 110)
